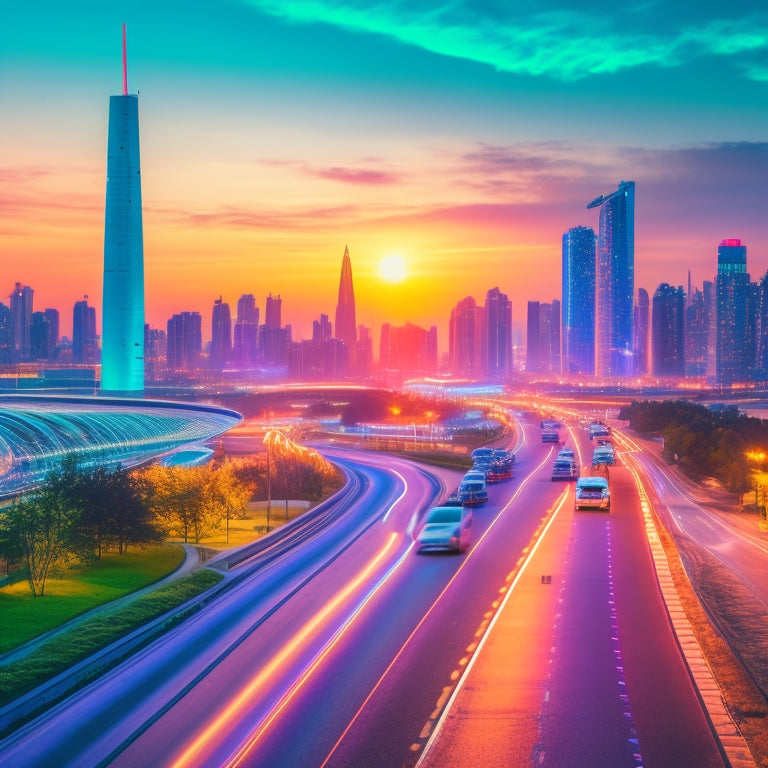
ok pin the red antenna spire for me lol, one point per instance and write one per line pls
(125, 66)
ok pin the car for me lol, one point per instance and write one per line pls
(564, 469)
(473, 490)
(550, 436)
(603, 455)
(566, 453)
(593, 493)
(447, 528)
(482, 455)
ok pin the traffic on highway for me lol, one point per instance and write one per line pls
(408, 625)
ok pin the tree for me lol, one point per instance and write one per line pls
(40, 529)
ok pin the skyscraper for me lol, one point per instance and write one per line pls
(346, 324)
(84, 338)
(122, 323)
(7, 337)
(735, 347)
(697, 332)
(21, 309)
(221, 335)
(578, 309)
(52, 315)
(668, 342)
(641, 331)
(39, 337)
(246, 334)
(498, 330)
(184, 341)
(615, 281)
(465, 334)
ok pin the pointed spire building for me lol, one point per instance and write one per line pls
(346, 325)
(122, 359)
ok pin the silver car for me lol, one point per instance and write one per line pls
(446, 528)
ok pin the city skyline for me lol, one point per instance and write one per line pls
(468, 162)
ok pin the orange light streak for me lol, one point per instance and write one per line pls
(190, 755)
(437, 600)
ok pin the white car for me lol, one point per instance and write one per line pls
(446, 528)
(593, 493)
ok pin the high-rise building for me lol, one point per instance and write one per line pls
(246, 333)
(84, 338)
(184, 341)
(7, 336)
(533, 338)
(39, 343)
(642, 331)
(498, 330)
(543, 337)
(52, 315)
(221, 335)
(122, 323)
(273, 338)
(615, 281)
(668, 341)
(273, 312)
(346, 324)
(21, 309)
(465, 339)
(155, 351)
(408, 348)
(697, 332)
(578, 309)
(735, 345)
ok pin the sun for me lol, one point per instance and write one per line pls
(393, 268)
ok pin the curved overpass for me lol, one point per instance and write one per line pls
(36, 433)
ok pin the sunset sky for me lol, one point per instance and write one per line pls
(464, 136)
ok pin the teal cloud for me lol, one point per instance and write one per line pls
(564, 44)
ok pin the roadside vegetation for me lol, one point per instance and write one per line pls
(723, 444)
(64, 650)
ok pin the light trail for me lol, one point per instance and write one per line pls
(190, 756)
(434, 605)
(252, 740)
(539, 537)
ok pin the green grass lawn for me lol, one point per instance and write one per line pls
(24, 616)
(63, 650)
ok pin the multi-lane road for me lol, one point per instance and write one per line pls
(351, 649)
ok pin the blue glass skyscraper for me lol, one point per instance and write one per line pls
(615, 281)
(578, 321)
(122, 358)
(735, 340)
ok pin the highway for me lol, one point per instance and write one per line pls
(350, 650)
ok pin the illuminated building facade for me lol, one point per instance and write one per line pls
(122, 363)
(735, 305)
(668, 323)
(615, 281)
(578, 306)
